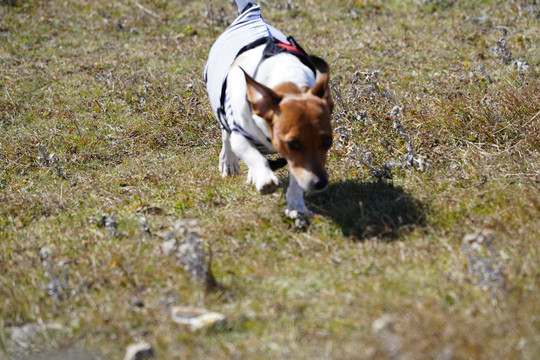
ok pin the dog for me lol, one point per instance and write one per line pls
(270, 96)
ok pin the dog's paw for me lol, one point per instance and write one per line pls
(269, 188)
(294, 214)
(265, 181)
(229, 169)
(301, 219)
(300, 214)
(229, 164)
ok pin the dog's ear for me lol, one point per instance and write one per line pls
(322, 87)
(264, 101)
(320, 65)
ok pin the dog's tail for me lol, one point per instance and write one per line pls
(244, 4)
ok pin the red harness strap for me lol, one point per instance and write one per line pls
(288, 47)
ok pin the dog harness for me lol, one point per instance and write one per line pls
(247, 32)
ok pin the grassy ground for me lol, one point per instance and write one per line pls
(107, 141)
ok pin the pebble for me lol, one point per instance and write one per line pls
(139, 351)
(137, 303)
(23, 336)
(169, 247)
(196, 318)
(45, 252)
(389, 342)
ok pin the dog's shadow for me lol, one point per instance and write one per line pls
(369, 209)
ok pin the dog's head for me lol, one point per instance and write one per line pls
(299, 120)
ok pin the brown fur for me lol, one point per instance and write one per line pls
(299, 121)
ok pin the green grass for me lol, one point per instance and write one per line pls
(103, 110)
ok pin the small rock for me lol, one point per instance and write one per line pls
(118, 24)
(191, 255)
(98, 220)
(145, 225)
(183, 240)
(22, 336)
(484, 266)
(169, 247)
(195, 318)
(137, 303)
(383, 323)
(139, 351)
(477, 239)
(45, 252)
(111, 224)
(389, 342)
(155, 210)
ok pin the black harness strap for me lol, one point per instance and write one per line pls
(273, 47)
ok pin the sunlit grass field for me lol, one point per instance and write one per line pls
(426, 245)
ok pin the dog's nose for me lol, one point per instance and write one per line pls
(321, 183)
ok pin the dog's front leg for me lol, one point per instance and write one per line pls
(228, 161)
(296, 208)
(259, 172)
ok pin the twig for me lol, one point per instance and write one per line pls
(522, 174)
(534, 117)
(145, 9)
(51, 77)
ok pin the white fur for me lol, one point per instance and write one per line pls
(259, 173)
(295, 199)
(272, 72)
(284, 67)
(228, 161)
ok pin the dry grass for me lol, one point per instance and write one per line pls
(108, 141)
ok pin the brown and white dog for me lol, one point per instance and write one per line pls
(270, 101)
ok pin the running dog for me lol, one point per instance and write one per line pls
(270, 96)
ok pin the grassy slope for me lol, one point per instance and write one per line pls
(116, 93)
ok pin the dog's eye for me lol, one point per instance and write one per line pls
(326, 142)
(294, 145)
